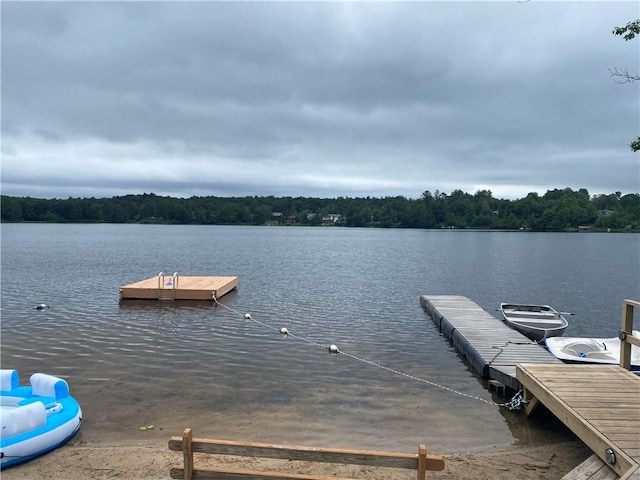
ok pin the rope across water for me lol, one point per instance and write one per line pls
(514, 404)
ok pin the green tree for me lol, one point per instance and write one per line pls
(622, 75)
(11, 209)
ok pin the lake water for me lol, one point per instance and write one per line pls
(175, 365)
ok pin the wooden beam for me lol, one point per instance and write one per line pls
(207, 473)
(187, 450)
(627, 328)
(633, 474)
(592, 468)
(531, 405)
(633, 340)
(530, 402)
(309, 454)
(189, 445)
(633, 303)
(422, 462)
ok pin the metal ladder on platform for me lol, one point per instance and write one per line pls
(161, 285)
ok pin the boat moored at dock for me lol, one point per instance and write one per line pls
(534, 321)
(591, 350)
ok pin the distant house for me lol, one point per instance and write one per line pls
(331, 218)
(606, 213)
(277, 218)
(584, 228)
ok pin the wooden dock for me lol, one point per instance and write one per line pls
(177, 287)
(491, 347)
(598, 403)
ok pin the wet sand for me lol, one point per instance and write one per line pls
(496, 445)
(99, 452)
(150, 459)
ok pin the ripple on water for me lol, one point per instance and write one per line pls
(183, 364)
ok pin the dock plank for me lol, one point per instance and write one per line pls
(592, 468)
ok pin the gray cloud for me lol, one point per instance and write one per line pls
(316, 99)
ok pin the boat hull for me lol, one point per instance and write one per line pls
(536, 322)
(591, 350)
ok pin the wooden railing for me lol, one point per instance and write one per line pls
(626, 333)
(188, 446)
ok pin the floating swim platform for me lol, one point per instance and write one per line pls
(178, 287)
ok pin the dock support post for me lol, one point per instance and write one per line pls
(499, 387)
(422, 462)
(626, 333)
(187, 450)
(530, 402)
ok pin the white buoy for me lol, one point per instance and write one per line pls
(41, 306)
(247, 316)
(284, 331)
(332, 348)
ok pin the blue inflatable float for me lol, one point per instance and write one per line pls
(35, 419)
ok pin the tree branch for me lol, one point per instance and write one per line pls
(629, 31)
(622, 75)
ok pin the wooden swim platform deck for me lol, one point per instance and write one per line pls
(178, 287)
(489, 345)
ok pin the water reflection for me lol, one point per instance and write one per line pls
(135, 304)
(177, 364)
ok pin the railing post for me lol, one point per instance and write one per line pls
(174, 285)
(422, 462)
(160, 283)
(187, 451)
(626, 333)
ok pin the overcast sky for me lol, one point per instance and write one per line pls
(317, 99)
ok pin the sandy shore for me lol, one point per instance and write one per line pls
(151, 460)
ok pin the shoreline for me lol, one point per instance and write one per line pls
(151, 460)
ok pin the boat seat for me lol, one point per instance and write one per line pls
(601, 356)
(48, 402)
(534, 322)
(46, 389)
(9, 380)
(22, 419)
(526, 314)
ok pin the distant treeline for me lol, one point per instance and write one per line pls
(556, 210)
